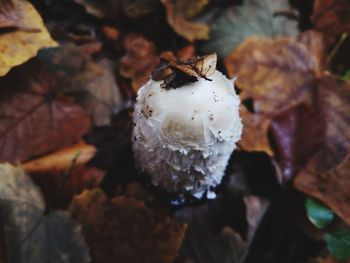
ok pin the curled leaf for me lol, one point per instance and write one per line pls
(29, 36)
(177, 11)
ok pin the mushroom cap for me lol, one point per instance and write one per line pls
(188, 131)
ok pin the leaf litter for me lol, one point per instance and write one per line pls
(69, 74)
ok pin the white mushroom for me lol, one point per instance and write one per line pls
(183, 137)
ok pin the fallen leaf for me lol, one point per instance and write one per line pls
(179, 13)
(101, 8)
(124, 230)
(139, 61)
(274, 76)
(61, 160)
(22, 43)
(315, 44)
(331, 17)
(102, 96)
(338, 243)
(34, 120)
(256, 208)
(9, 17)
(331, 187)
(296, 137)
(253, 18)
(319, 215)
(30, 235)
(92, 84)
(64, 173)
(202, 246)
(255, 139)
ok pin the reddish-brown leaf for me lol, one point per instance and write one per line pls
(331, 17)
(274, 76)
(326, 176)
(297, 136)
(33, 119)
(9, 17)
(139, 61)
(123, 229)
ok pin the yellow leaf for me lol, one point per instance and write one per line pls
(16, 47)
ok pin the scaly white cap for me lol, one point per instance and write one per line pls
(183, 137)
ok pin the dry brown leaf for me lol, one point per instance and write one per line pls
(254, 136)
(331, 187)
(315, 44)
(139, 61)
(124, 230)
(61, 160)
(331, 17)
(178, 14)
(94, 85)
(8, 14)
(274, 75)
(23, 43)
(33, 119)
(63, 174)
(326, 176)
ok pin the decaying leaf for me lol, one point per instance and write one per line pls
(253, 138)
(297, 137)
(26, 39)
(178, 14)
(139, 61)
(64, 173)
(331, 17)
(124, 230)
(61, 160)
(326, 176)
(101, 8)
(9, 18)
(331, 186)
(274, 75)
(30, 235)
(34, 120)
(92, 84)
(175, 73)
(253, 18)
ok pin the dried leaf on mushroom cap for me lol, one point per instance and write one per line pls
(177, 72)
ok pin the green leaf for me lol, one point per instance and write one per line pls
(318, 214)
(254, 18)
(31, 236)
(338, 243)
(346, 76)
